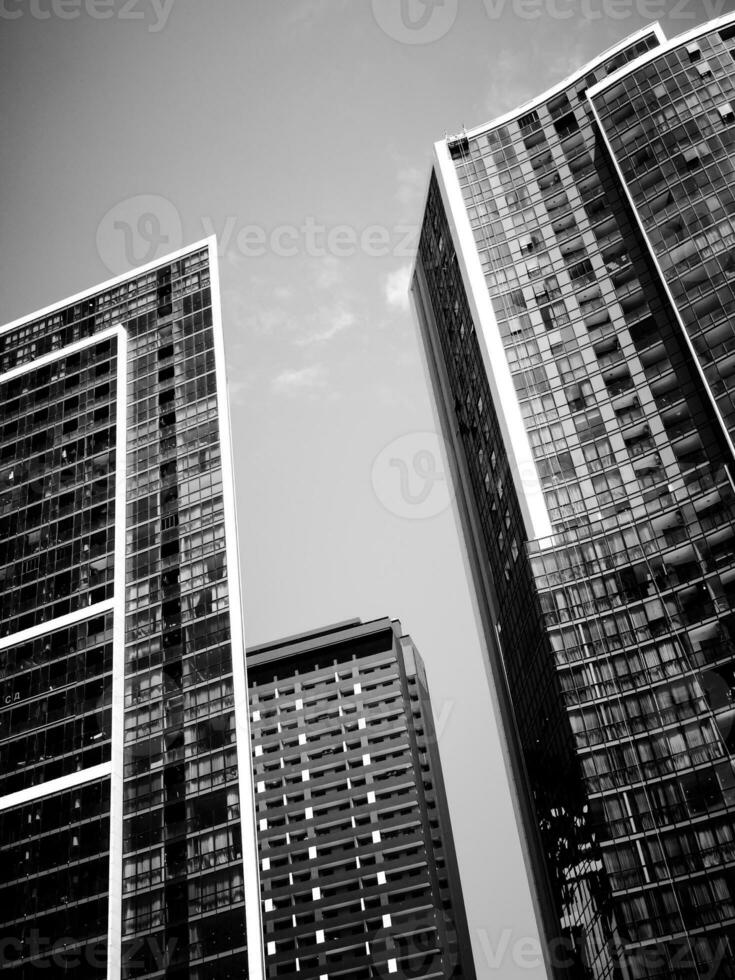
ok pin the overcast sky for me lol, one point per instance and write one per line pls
(300, 132)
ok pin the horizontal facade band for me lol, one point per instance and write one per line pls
(55, 786)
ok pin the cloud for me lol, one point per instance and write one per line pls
(396, 287)
(329, 272)
(293, 380)
(325, 325)
(411, 185)
(238, 389)
(247, 310)
(267, 321)
(512, 84)
(567, 64)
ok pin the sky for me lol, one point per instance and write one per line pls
(300, 132)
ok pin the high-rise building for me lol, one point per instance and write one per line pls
(358, 871)
(574, 288)
(127, 838)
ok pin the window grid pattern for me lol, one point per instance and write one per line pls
(354, 854)
(57, 485)
(56, 703)
(636, 585)
(57, 488)
(57, 517)
(54, 860)
(183, 872)
(671, 126)
(544, 734)
(588, 337)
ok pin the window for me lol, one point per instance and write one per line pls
(555, 315)
(579, 396)
(555, 468)
(571, 367)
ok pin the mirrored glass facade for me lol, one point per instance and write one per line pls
(670, 124)
(126, 812)
(593, 462)
(358, 872)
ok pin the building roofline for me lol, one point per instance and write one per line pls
(209, 242)
(345, 624)
(323, 638)
(559, 87)
(668, 45)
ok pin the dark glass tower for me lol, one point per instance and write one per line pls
(358, 870)
(575, 309)
(127, 844)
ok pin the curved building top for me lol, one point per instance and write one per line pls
(664, 48)
(653, 32)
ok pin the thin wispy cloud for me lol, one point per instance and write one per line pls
(396, 288)
(328, 273)
(246, 309)
(511, 84)
(324, 326)
(292, 381)
(411, 185)
(238, 388)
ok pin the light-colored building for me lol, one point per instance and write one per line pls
(358, 869)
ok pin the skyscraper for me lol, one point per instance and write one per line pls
(574, 294)
(358, 869)
(127, 844)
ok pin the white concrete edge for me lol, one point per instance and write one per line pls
(104, 286)
(60, 623)
(256, 962)
(55, 355)
(508, 410)
(666, 46)
(54, 786)
(117, 606)
(114, 916)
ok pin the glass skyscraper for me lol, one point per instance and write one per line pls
(128, 845)
(127, 839)
(358, 870)
(575, 299)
